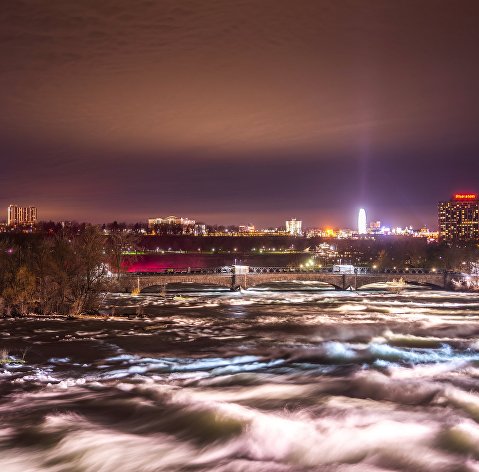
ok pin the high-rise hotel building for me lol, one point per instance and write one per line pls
(17, 215)
(293, 227)
(459, 218)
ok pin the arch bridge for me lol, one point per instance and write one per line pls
(248, 277)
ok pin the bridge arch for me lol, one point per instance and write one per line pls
(408, 284)
(160, 283)
(182, 286)
(252, 283)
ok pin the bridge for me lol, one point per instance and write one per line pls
(248, 277)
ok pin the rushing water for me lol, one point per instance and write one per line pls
(292, 380)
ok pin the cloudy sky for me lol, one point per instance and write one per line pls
(238, 111)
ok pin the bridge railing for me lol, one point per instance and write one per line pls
(407, 271)
(187, 270)
(357, 270)
(228, 270)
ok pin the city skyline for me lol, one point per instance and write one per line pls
(325, 218)
(238, 112)
(18, 216)
(363, 223)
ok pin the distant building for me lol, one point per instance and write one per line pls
(247, 228)
(459, 218)
(314, 232)
(22, 216)
(200, 230)
(427, 233)
(171, 225)
(293, 227)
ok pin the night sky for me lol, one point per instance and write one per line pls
(238, 111)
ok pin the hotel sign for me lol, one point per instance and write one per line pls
(465, 196)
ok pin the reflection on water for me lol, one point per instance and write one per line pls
(262, 380)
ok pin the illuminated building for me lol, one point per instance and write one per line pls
(199, 230)
(246, 228)
(293, 227)
(427, 233)
(17, 215)
(459, 218)
(314, 232)
(172, 225)
(362, 224)
(345, 233)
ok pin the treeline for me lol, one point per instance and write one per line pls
(64, 273)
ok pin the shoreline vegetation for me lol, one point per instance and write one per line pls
(65, 274)
(61, 275)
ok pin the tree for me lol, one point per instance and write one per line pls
(87, 278)
(117, 244)
(19, 296)
(62, 273)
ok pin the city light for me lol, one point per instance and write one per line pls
(362, 223)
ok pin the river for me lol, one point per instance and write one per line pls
(296, 379)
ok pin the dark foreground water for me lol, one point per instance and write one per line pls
(263, 380)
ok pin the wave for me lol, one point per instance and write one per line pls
(166, 429)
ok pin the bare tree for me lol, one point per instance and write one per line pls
(119, 242)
